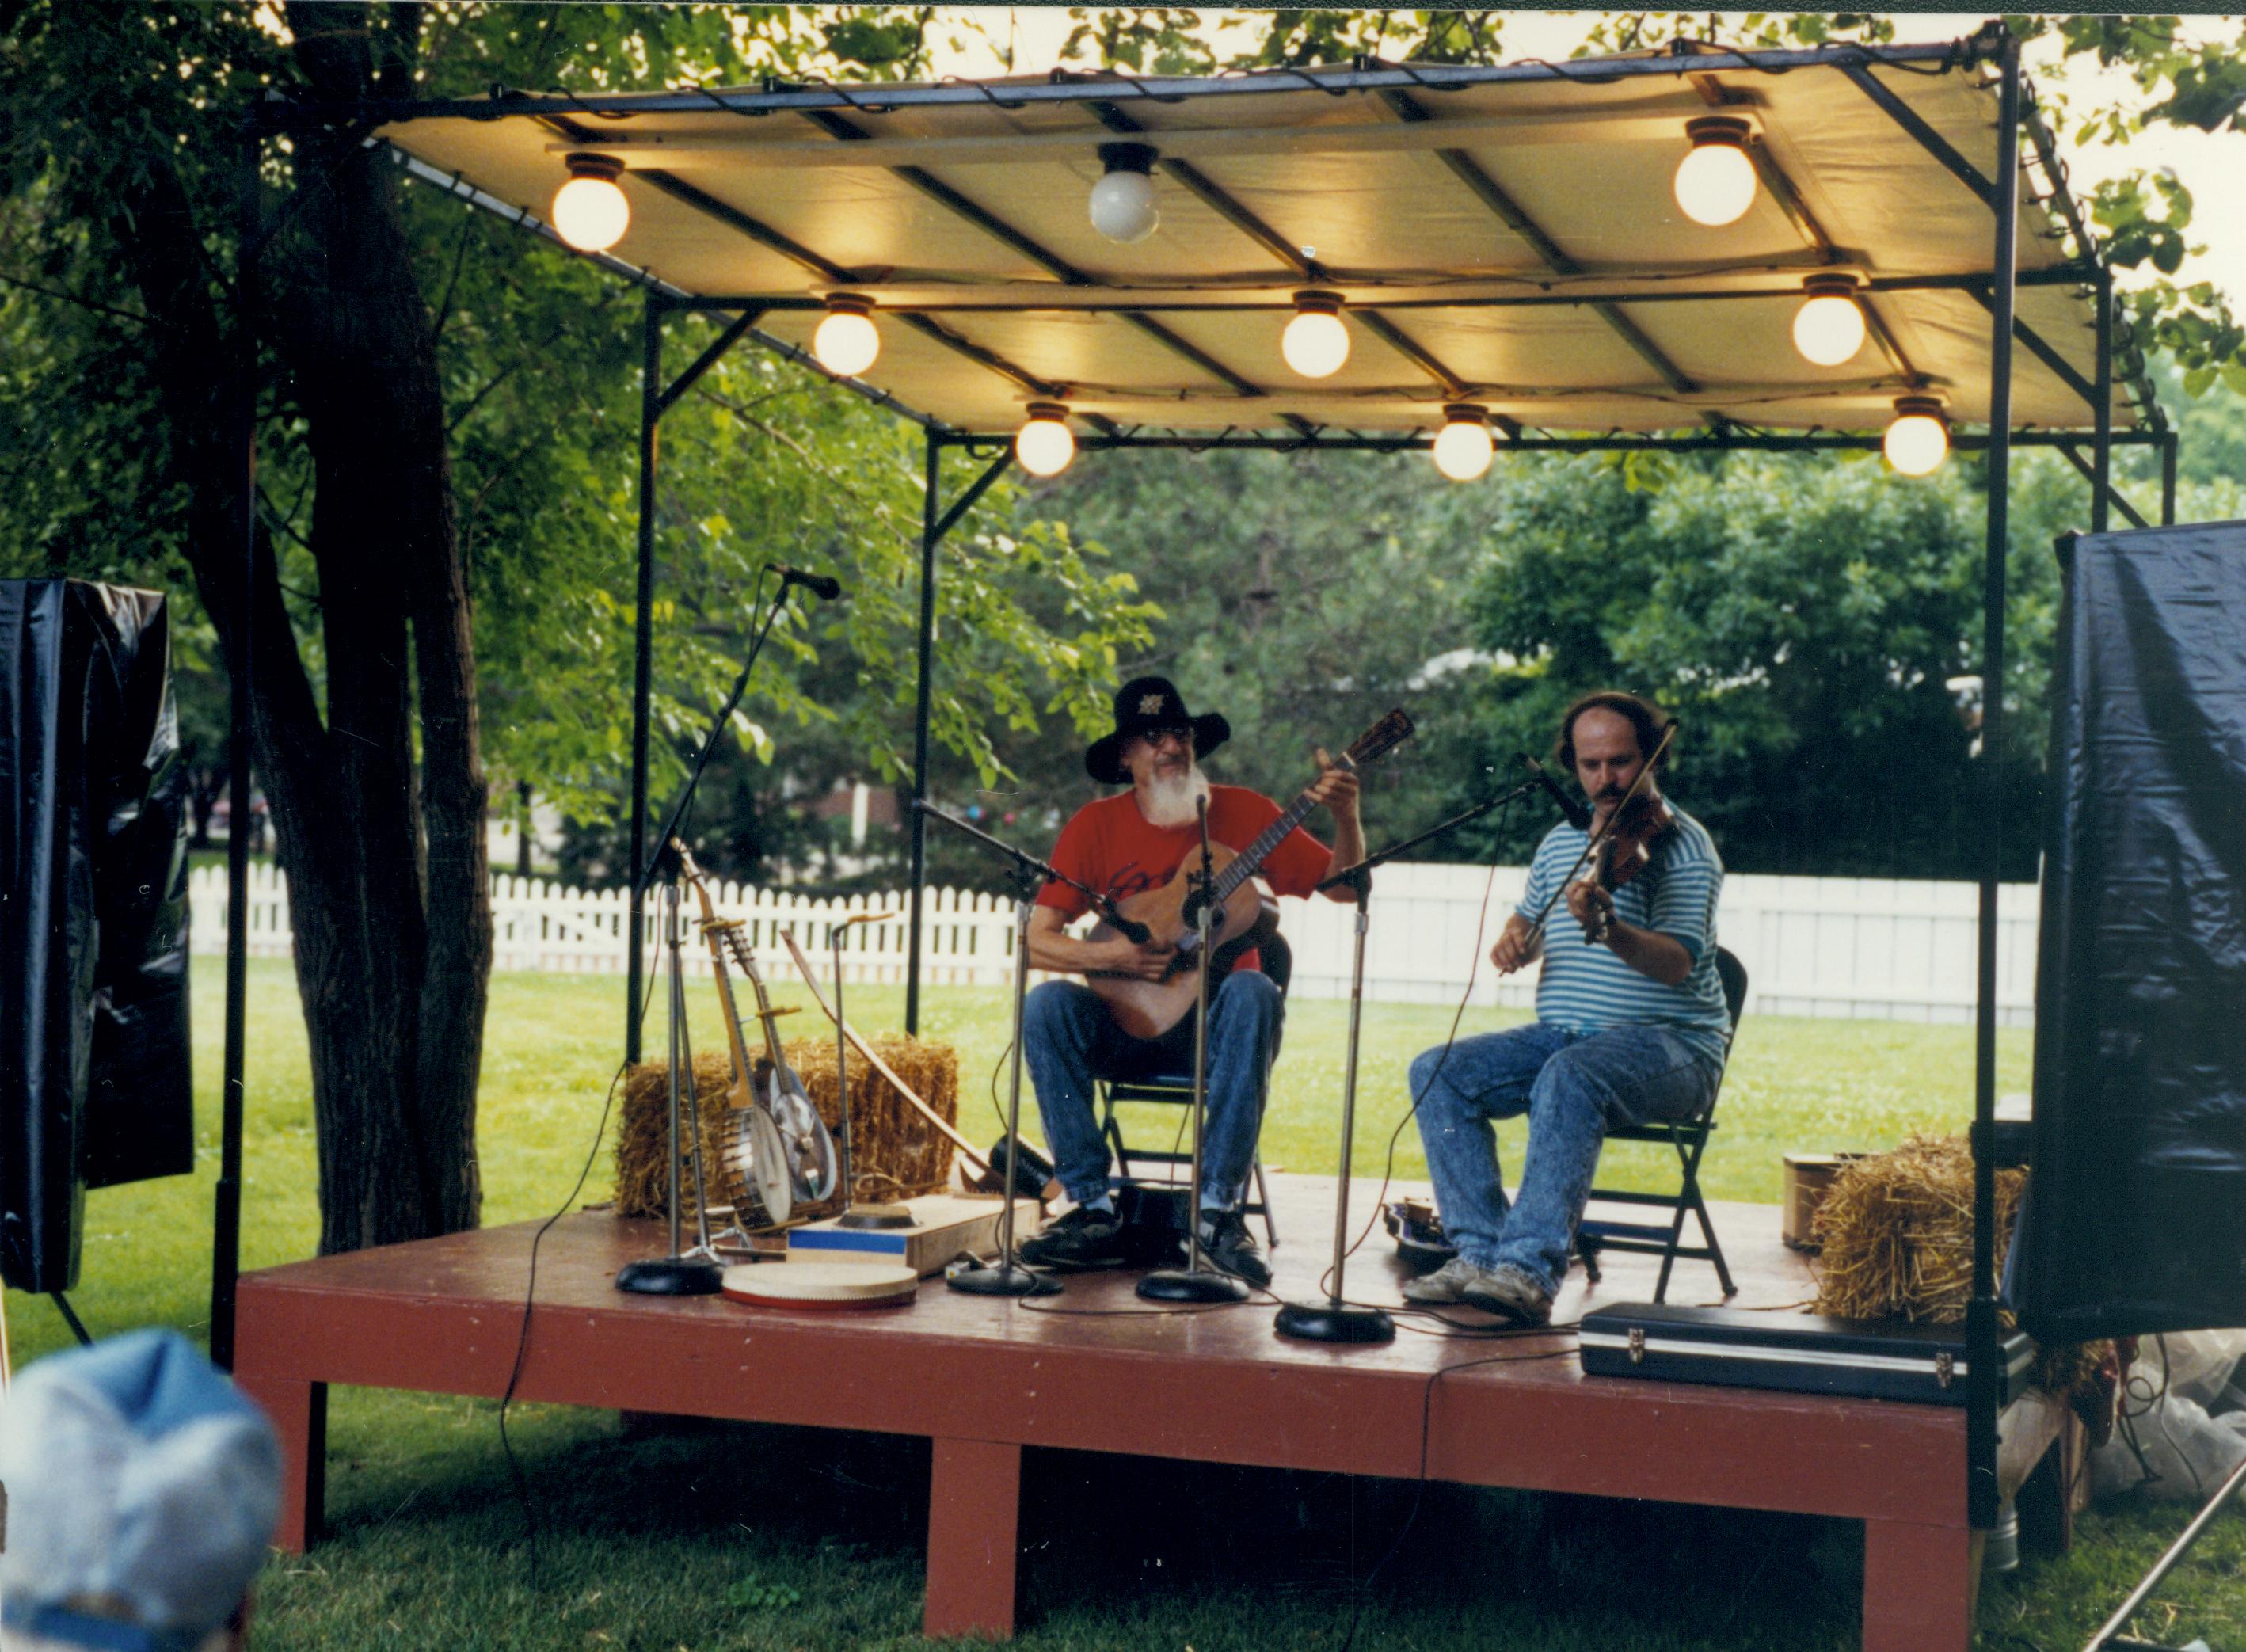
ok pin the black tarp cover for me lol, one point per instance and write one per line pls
(2136, 1213)
(94, 1075)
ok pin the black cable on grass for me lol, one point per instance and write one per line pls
(530, 1294)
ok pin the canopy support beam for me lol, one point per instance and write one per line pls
(1487, 190)
(2101, 479)
(990, 224)
(2169, 444)
(2101, 494)
(1982, 1399)
(933, 528)
(2041, 349)
(651, 415)
(1930, 140)
(226, 1198)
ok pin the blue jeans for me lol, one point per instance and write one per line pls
(1573, 1087)
(1069, 1039)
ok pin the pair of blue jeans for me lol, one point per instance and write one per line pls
(1573, 1087)
(1068, 1040)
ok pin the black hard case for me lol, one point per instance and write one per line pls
(1801, 1353)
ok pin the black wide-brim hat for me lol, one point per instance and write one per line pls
(1143, 705)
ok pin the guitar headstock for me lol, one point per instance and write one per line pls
(1382, 738)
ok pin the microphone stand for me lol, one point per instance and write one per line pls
(1335, 1320)
(1027, 873)
(684, 1273)
(1194, 1283)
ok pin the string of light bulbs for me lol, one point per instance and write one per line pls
(1715, 184)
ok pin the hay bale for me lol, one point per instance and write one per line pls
(898, 1154)
(1896, 1231)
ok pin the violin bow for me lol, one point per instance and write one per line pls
(1593, 843)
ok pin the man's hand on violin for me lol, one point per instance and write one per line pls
(1593, 908)
(1335, 787)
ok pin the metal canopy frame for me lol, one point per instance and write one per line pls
(1403, 87)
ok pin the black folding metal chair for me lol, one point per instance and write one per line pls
(1690, 1139)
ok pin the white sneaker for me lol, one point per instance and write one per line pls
(1446, 1284)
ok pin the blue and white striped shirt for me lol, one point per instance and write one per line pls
(1587, 988)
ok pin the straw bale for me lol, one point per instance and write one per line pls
(1897, 1232)
(898, 1154)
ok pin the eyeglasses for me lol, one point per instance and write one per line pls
(1159, 738)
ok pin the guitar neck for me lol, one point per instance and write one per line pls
(1250, 859)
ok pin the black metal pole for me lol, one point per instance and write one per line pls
(2102, 453)
(1981, 1495)
(650, 414)
(930, 477)
(2169, 442)
(226, 1214)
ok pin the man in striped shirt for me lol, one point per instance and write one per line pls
(1631, 1027)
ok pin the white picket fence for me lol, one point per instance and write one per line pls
(1861, 947)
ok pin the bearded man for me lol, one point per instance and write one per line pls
(1120, 846)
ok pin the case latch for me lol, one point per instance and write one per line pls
(1945, 1366)
(1638, 1344)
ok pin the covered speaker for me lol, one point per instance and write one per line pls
(95, 1084)
(2136, 1219)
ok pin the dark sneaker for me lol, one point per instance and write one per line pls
(1224, 1241)
(1082, 1240)
(1510, 1295)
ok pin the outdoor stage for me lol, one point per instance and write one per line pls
(982, 1378)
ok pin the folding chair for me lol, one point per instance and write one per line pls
(1690, 1139)
(1176, 1089)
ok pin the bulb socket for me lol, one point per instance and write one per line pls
(1831, 286)
(1057, 412)
(1129, 157)
(849, 304)
(1318, 304)
(1729, 131)
(1465, 414)
(584, 163)
(1922, 407)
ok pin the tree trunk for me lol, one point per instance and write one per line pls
(393, 1003)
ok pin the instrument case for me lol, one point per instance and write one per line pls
(1801, 1353)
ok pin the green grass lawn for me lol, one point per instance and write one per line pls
(765, 1537)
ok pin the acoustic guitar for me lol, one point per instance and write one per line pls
(1245, 913)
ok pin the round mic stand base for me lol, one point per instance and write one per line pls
(670, 1276)
(1002, 1280)
(1336, 1322)
(1191, 1285)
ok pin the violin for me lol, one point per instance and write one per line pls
(1625, 850)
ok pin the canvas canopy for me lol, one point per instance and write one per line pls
(1506, 236)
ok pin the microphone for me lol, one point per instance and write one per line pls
(824, 585)
(1578, 816)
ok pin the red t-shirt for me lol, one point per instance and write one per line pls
(1118, 851)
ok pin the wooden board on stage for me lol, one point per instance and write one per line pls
(944, 1224)
(794, 1284)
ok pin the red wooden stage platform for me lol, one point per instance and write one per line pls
(982, 1378)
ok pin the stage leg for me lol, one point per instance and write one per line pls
(1918, 1587)
(974, 1512)
(299, 1411)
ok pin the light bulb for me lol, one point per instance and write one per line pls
(1463, 447)
(1829, 329)
(1123, 202)
(846, 341)
(1919, 439)
(1045, 444)
(590, 211)
(1716, 182)
(1316, 343)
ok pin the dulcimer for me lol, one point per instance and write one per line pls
(1245, 913)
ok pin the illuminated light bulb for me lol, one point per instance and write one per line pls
(1829, 329)
(1463, 447)
(1316, 343)
(590, 211)
(1716, 182)
(1045, 444)
(847, 342)
(1918, 440)
(1123, 202)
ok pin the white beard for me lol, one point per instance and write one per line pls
(1172, 802)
